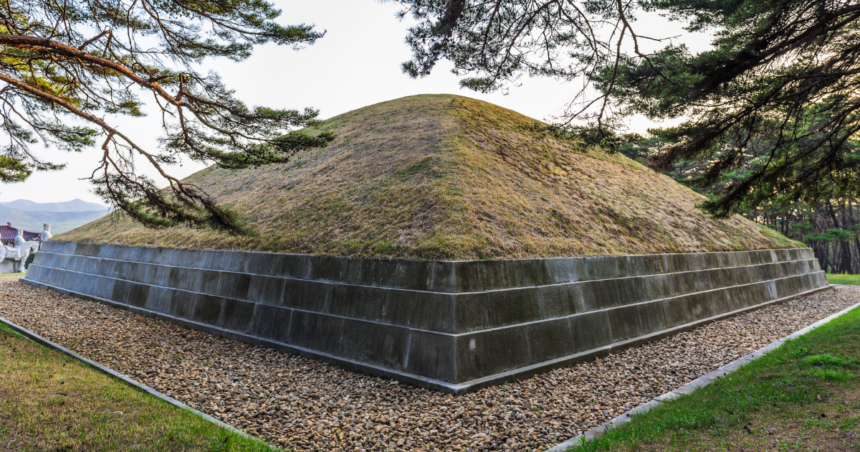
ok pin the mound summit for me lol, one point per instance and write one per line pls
(453, 178)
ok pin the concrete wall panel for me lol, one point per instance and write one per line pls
(317, 331)
(430, 355)
(271, 322)
(491, 352)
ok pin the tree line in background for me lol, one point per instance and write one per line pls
(830, 228)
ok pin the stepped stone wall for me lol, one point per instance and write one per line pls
(451, 326)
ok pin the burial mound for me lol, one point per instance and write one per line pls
(448, 177)
(444, 242)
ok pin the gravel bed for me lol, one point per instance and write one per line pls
(302, 404)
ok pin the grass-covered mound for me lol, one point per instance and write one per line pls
(448, 177)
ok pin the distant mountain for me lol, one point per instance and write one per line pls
(59, 221)
(76, 205)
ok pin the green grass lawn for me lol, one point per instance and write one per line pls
(51, 402)
(804, 396)
(12, 274)
(853, 280)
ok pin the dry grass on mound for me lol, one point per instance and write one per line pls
(447, 177)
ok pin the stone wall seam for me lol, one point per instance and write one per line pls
(469, 333)
(149, 251)
(489, 291)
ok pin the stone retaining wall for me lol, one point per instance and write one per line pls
(452, 326)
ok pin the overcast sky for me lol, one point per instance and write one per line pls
(356, 64)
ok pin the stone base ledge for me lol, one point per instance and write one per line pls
(450, 326)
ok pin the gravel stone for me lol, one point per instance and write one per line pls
(299, 403)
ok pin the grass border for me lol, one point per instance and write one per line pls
(843, 279)
(27, 334)
(692, 386)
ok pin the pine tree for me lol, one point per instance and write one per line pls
(781, 79)
(65, 65)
